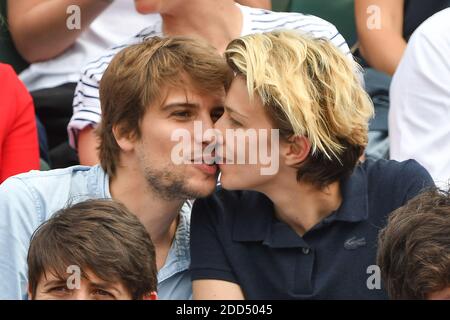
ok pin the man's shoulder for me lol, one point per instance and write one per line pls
(35, 176)
(48, 184)
(48, 191)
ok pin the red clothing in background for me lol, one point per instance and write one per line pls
(19, 148)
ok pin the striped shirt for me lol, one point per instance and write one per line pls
(86, 103)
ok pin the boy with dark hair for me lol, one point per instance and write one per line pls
(93, 250)
(414, 248)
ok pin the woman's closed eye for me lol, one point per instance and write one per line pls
(235, 123)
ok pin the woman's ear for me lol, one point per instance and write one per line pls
(125, 141)
(296, 150)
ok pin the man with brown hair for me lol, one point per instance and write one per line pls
(149, 90)
(93, 250)
(414, 248)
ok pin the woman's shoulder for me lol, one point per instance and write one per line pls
(399, 180)
(391, 169)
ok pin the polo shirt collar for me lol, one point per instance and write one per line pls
(355, 202)
(255, 219)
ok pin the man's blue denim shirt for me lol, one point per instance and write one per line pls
(27, 200)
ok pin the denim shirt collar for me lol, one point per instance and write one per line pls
(178, 258)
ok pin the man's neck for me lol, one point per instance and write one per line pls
(303, 205)
(158, 216)
(217, 22)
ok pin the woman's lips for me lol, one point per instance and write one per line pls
(206, 168)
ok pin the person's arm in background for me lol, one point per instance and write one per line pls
(19, 148)
(39, 27)
(88, 147)
(381, 47)
(265, 4)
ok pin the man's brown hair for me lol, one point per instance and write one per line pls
(414, 247)
(100, 236)
(138, 77)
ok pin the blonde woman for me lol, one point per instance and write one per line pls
(309, 229)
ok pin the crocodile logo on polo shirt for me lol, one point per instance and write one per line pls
(354, 243)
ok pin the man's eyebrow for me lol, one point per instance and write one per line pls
(180, 104)
(231, 110)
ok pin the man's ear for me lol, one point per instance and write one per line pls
(125, 141)
(296, 150)
(151, 296)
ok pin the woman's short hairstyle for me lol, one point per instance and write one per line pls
(308, 88)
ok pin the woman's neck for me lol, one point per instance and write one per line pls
(302, 205)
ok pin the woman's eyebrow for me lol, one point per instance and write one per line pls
(231, 110)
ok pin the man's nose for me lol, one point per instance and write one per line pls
(206, 135)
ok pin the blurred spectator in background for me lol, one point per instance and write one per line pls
(384, 27)
(19, 150)
(58, 50)
(382, 44)
(218, 22)
(419, 117)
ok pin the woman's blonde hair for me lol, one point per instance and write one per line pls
(309, 88)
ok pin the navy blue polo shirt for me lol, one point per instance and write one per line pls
(236, 237)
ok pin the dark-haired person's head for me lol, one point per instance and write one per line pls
(93, 250)
(414, 248)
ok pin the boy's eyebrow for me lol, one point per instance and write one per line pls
(56, 282)
(104, 286)
(180, 104)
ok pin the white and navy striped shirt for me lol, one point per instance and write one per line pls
(86, 103)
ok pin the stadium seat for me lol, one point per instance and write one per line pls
(339, 12)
